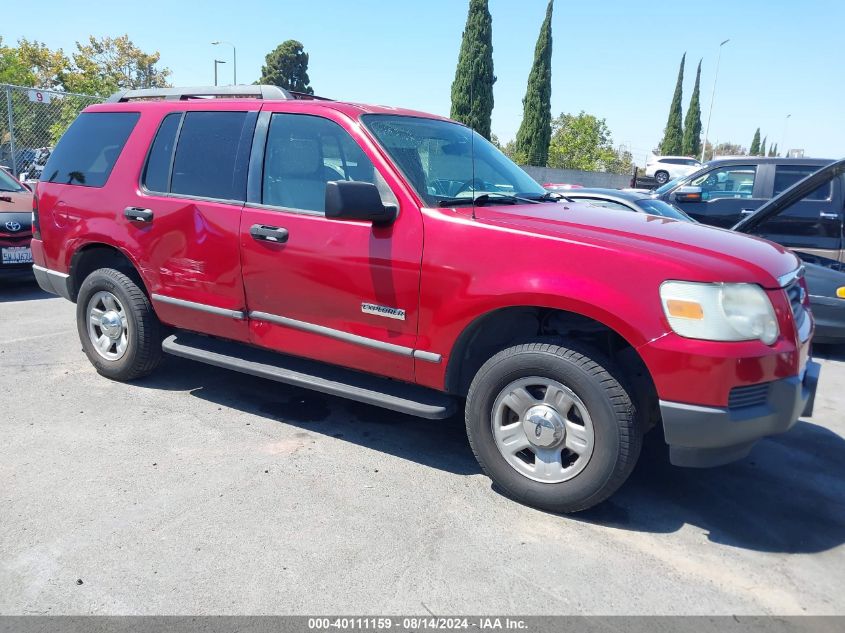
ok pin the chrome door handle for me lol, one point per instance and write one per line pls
(747, 211)
(138, 214)
(264, 233)
(829, 216)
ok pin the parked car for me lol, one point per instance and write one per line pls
(825, 276)
(15, 226)
(627, 200)
(666, 168)
(283, 238)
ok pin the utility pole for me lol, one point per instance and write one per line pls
(216, 61)
(234, 58)
(712, 99)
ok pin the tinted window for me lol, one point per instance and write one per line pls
(7, 183)
(304, 153)
(210, 161)
(157, 171)
(736, 181)
(87, 152)
(788, 175)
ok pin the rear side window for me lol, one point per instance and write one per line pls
(87, 152)
(157, 170)
(788, 175)
(211, 155)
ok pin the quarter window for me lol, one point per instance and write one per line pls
(304, 153)
(157, 170)
(88, 151)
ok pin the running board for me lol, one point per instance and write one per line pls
(329, 379)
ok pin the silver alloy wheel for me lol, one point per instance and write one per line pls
(108, 327)
(542, 429)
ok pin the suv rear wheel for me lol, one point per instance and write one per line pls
(552, 426)
(119, 331)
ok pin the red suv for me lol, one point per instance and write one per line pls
(398, 259)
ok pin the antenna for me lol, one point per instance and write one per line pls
(472, 133)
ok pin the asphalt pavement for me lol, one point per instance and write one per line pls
(201, 491)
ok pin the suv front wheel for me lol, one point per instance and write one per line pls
(661, 177)
(552, 426)
(119, 331)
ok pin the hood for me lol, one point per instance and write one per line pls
(708, 253)
(790, 196)
(16, 201)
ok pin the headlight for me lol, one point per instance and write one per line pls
(719, 312)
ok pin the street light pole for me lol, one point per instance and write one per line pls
(217, 61)
(783, 139)
(234, 58)
(712, 99)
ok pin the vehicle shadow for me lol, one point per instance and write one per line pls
(788, 496)
(829, 352)
(21, 287)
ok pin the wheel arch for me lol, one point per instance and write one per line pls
(94, 255)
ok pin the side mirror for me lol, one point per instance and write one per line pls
(352, 200)
(688, 193)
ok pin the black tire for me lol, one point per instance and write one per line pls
(661, 177)
(143, 349)
(617, 437)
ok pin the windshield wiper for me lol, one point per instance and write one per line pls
(552, 196)
(486, 198)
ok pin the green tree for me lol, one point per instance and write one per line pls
(535, 131)
(692, 123)
(103, 66)
(472, 89)
(584, 142)
(287, 67)
(31, 63)
(773, 150)
(763, 146)
(754, 150)
(673, 135)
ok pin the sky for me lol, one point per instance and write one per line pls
(615, 59)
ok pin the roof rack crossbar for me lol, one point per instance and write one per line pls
(179, 94)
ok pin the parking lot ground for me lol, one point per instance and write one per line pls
(201, 491)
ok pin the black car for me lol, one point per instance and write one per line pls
(724, 191)
(825, 276)
(627, 201)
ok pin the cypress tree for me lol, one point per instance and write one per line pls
(673, 135)
(692, 123)
(763, 146)
(472, 89)
(774, 151)
(755, 144)
(535, 131)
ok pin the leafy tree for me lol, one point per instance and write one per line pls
(692, 123)
(584, 142)
(755, 144)
(31, 63)
(535, 131)
(472, 89)
(773, 150)
(763, 146)
(102, 66)
(673, 134)
(287, 67)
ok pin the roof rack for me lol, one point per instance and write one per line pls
(304, 96)
(204, 92)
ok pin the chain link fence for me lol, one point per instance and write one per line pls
(31, 121)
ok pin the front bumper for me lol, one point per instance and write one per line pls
(700, 437)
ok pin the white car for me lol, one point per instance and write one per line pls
(666, 168)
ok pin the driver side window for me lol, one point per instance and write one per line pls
(736, 181)
(305, 152)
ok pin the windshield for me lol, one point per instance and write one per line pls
(658, 207)
(669, 186)
(7, 183)
(437, 159)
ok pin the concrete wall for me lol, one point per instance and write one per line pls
(575, 177)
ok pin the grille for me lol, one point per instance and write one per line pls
(749, 396)
(795, 293)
